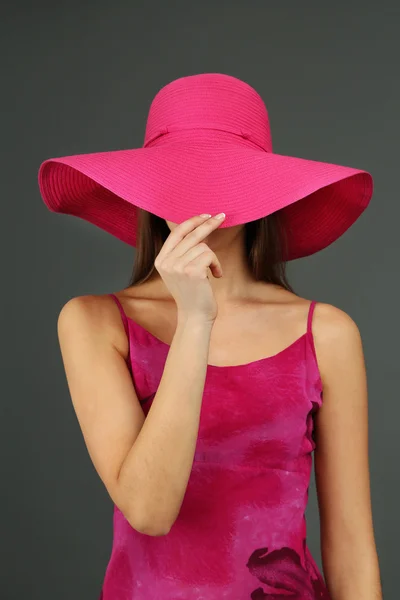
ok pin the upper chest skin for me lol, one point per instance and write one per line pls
(258, 326)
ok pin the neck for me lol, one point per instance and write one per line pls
(237, 283)
(236, 276)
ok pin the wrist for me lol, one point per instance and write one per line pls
(195, 322)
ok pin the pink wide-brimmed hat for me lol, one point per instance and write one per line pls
(207, 149)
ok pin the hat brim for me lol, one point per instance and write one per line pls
(319, 201)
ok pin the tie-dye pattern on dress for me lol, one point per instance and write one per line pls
(241, 530)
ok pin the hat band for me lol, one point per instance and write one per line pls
(167, 129)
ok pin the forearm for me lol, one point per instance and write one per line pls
(156, 471)
(355, 575)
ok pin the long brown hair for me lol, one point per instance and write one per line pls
(265, 242)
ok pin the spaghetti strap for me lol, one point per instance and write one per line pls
(309, 326)
(310, 315)
(126, 326)
(123, 315)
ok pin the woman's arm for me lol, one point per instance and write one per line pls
(144, 463)
(349, 555)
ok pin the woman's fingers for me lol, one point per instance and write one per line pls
(197, 257)
(179, 233)
(196, 236)
(207, 258)
(188, 234)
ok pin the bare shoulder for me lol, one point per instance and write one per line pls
(92, 315)
(332, 324)
(89, 310)
(337, 339)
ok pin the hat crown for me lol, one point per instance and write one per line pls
(209, 101)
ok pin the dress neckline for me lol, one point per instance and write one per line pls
(252, 363)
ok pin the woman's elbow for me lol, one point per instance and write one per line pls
(148, 524)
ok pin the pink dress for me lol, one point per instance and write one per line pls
(241, 530)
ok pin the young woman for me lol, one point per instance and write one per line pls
(204, 387)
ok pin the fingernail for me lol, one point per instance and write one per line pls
(220, 216)
(205, 216)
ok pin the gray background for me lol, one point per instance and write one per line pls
(79, 77)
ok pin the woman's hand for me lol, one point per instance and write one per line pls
(182, 263)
